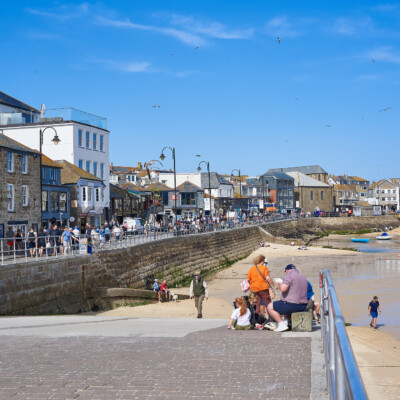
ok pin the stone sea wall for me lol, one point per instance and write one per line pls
(67, 285)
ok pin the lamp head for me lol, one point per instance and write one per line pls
(56, 139)
(162, 157)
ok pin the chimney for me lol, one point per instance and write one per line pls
(139, 165)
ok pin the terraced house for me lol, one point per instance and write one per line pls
(19, 187)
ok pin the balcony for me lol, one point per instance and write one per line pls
(55, 115)
(72, 114)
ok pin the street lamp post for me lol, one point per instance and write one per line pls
(209, 177)
(240, 183)
(173, 157)
(55, 140)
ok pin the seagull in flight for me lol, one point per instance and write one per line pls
(278, 39)
(156, 105)
(328, 126)
(196, 48)
(296, 98)
(198, 155)
(373, 60)
(385, 109)
(171, 54)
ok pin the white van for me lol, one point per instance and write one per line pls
(134, 225)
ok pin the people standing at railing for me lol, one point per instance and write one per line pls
(107, 233)
(10, 239)
(41, 242)
(117, 233)
(32, 240)
(102, 237)
(19, 242)
(66, 240)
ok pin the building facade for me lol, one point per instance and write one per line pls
(281, 189)
(384, 193)
(56, 199)
(313, 171)
(84, 140)
(19, 187)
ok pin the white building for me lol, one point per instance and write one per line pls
(167, 178)
(84, 140)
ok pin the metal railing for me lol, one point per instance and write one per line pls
(343, 376)
(24, 249)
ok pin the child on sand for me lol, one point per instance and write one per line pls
(373, 309)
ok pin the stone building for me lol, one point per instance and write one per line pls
(311, 194)
(313, 171)
(19, 187)
(122, 204)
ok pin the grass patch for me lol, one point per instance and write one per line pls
(349, 232)
(135, 304)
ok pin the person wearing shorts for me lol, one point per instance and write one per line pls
(373, 309)
(294, 297)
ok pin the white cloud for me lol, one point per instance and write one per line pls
(281, 26)
(385, 54)
(183, 36)
(134, 66)
(64, 12)
(385, 7)
(351, 26)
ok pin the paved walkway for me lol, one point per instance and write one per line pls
(93, 357)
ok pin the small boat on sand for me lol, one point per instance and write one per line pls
(384, 236)
(360, 240)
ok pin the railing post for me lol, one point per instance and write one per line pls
(2, 251)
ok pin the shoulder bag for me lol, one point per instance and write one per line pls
(270, 290)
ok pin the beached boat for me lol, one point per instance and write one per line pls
(384, 236)
(360, 240)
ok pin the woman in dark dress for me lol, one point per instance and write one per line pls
(41, 241)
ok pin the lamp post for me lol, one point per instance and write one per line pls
(209, 177)
(240, 183)
(55, 140)
(162, 157)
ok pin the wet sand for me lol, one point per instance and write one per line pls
(357, 278)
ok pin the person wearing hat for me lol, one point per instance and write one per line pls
(294, 297)
(198, 290)
(156, 288)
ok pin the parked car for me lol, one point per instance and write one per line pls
(134, 225)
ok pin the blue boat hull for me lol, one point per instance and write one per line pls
(360, 240)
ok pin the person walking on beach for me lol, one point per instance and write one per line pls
(373, 309)
(198, 290)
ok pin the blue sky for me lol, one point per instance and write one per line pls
(241, 100)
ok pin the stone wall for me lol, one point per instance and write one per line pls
(67, 285)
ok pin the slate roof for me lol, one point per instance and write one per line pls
(188, 187)
(70, 173)
(12, 144)
(305, 180)
(215, 180)
(11, 101)
(158, 186)
(278, 175)
(305, 169)
(48, 162)
(117, 192)
(131, 186)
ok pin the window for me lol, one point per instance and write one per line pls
(88, 166)
(24, 164)
(322, 195)
(10, 161)
(102, 171)
(312, 195)
(97, 195)
(80, 164)
(87, 139)
(94, 141)
(63, 201)
(101, 143)
(94, 168)
(80, 138)
(188, 199)
(84, 194)
(54, 201)
(10, 197)
(24, 195)
(89, 194)
(45, 200)
(102, 194)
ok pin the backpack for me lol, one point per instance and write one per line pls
(31, 236)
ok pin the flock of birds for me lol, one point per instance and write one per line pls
(278, 39)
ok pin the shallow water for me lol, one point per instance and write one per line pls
(357, 278)
(373, 246)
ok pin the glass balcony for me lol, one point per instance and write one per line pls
(18, 118)
(72, 114)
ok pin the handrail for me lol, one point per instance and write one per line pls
(343, 376)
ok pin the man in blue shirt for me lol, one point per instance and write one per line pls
(373, 309)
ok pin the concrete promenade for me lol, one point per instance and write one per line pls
(98, 357)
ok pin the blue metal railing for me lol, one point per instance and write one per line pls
(344, 379)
